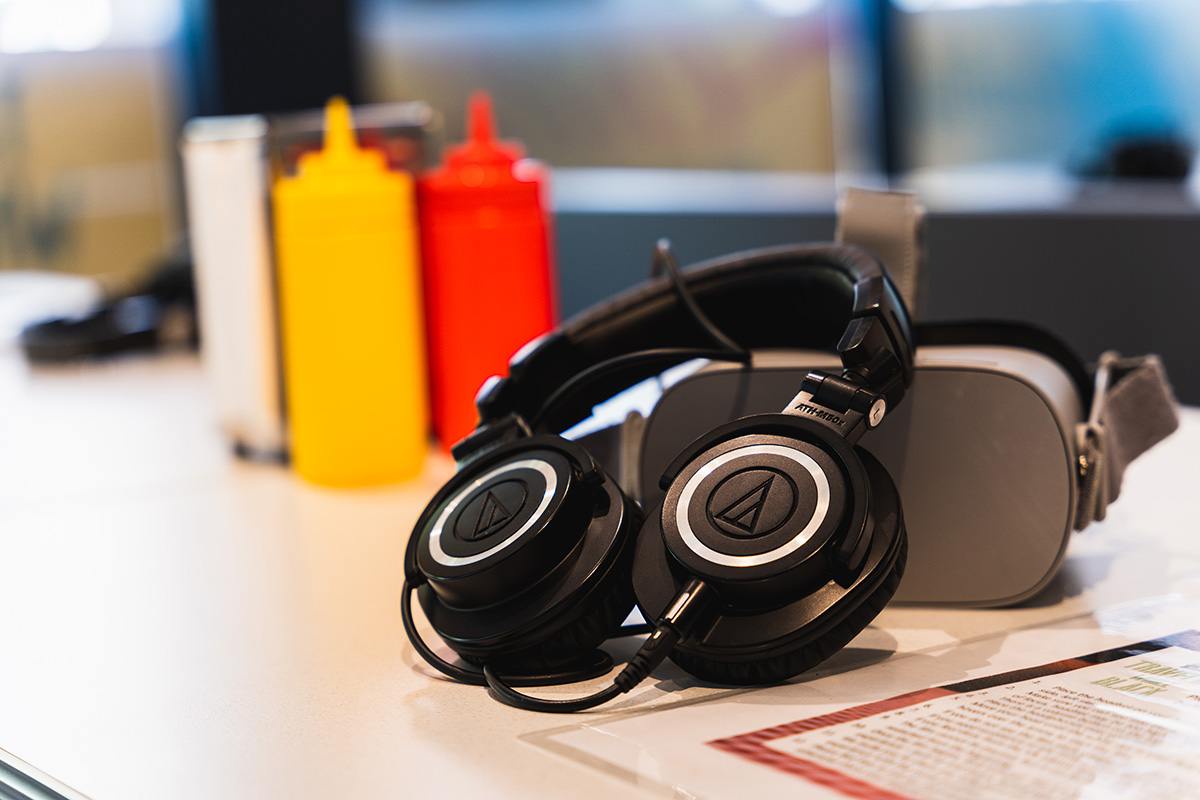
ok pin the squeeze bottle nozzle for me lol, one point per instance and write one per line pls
(480, 121)
(339, 128)
(340, 151)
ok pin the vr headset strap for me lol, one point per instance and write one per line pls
(1133, 408)
(889, 225)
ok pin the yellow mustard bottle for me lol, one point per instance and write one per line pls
(350, 312)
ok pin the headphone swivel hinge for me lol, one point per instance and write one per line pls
(486, 437)
(839, 403)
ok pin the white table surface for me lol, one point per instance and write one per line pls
(177, 623)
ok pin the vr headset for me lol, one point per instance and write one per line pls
(765, 510)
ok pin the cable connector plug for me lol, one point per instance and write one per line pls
(649, 655)
(685, 611)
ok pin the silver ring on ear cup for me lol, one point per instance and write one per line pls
(792, 545)
(438, 554)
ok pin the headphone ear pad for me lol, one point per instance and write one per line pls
(591, 622)
(777, 668)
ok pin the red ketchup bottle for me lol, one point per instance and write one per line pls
(487, 266)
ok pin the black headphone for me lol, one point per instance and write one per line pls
(778, 539)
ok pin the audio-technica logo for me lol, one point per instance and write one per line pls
(819, 413)
(752, 502)
(492, 514)
(490, 510)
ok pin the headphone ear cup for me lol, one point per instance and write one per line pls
(524, 560)
(588, 624)
(808, 654)
(768, 640)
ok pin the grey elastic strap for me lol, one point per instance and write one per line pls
(889, 225)
(1133, 408)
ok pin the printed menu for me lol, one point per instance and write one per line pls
(1122, 722)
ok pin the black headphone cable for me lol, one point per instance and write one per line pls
(477, 677)
(726, 348)
(683, 615)
(664, 261)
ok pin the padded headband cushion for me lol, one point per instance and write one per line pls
(780, 297)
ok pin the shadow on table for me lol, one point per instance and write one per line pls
(1078, 575)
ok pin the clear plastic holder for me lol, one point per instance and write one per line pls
(1095, 703)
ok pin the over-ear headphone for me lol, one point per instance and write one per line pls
(778, 539)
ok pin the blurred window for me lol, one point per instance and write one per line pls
(714, 84)
(87, 125)
(28, 26)
(1047, 81)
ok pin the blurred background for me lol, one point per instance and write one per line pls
(721, 123)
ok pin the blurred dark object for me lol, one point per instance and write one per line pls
(1162, 156)
(261, 56)
(158, 313)
(1111, 269)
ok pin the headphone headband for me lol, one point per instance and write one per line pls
(789, 296)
